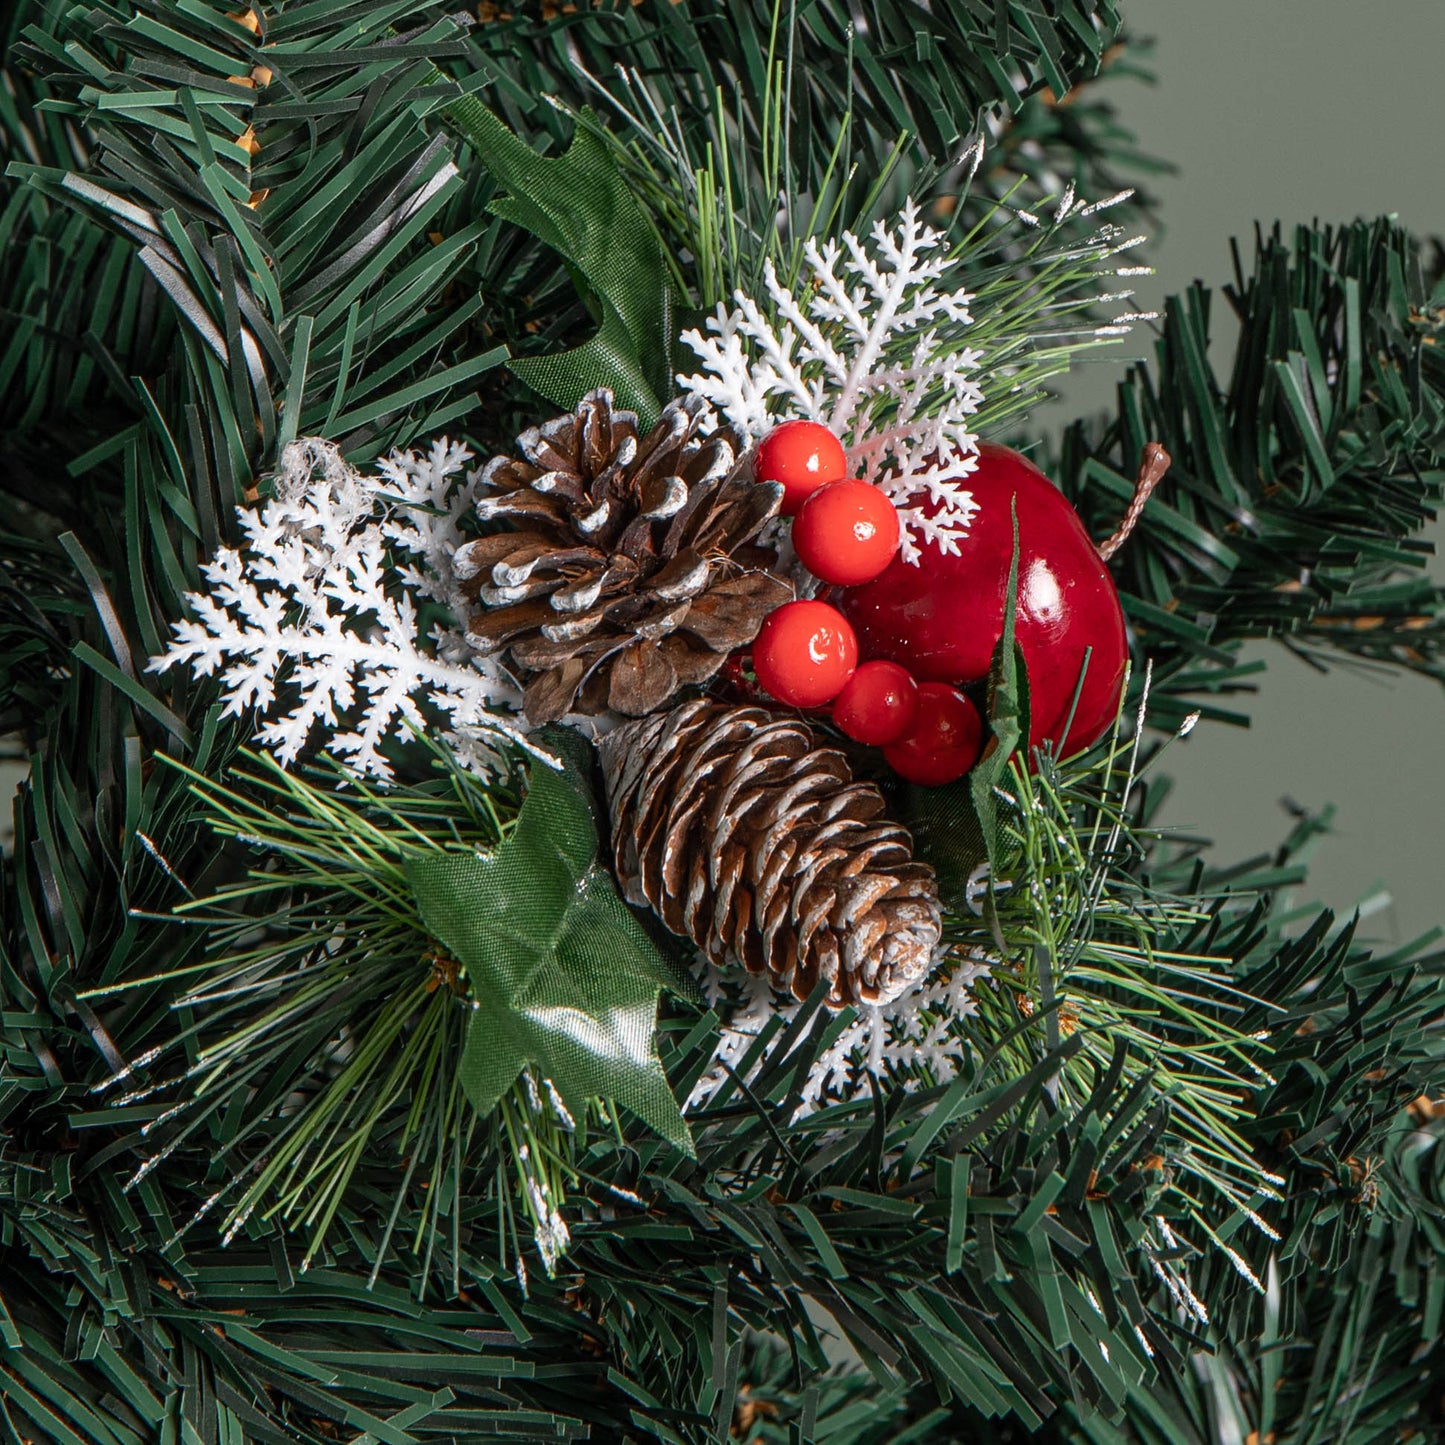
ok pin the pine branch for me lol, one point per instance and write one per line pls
(281, 220)
(1050, 141)
(1299, 484)
(895, 66)
(1345, 1355)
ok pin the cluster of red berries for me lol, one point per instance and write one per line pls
(846, 533)
(927, 629)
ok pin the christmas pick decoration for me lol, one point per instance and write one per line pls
(562, 976)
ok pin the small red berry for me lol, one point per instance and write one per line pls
(804, 654)
(944, 741)
(877, 704)
(802, 455)
(846, 533)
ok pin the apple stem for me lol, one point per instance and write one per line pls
(1152, 466)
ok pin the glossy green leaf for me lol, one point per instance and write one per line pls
(561, 975)
(579, 204)
(956, 826)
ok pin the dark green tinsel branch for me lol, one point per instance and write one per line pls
(1299, 483)
(895, 66)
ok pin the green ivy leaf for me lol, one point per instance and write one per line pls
(579, 203)
(561, 973)
(1007, 712)
(956, 827)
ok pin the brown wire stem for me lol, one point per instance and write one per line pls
(1152, 466)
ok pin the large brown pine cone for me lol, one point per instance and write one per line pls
(617, 569)
(747, 837)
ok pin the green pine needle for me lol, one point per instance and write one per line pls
(322, 1023)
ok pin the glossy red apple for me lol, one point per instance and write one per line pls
(943, 618)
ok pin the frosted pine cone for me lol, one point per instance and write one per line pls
(633, 569)
(746, 836)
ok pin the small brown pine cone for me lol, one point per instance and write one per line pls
(746, 836)
(615, 569)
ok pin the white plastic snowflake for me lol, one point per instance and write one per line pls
(892, 1043)
(862, 353)
(312, 624)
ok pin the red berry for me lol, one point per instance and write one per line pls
(804, 654)
(943, 618)
(944, 741)
(846, 533)
(877, 704)
(802, 455)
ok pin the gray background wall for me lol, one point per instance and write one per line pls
(1296, 109)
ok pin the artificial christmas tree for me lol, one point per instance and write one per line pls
(343, 1095)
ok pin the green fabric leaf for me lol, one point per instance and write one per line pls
(562, 974)
(955, 827)
(1008, 712)
(946, 835)
(579, 204)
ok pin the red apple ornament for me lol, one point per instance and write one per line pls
(803, 456)
(804, 653)
(943, 618)
(846, 533)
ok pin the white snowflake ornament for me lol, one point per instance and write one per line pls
(314, 622)
(909, 1042)
(862, 353)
